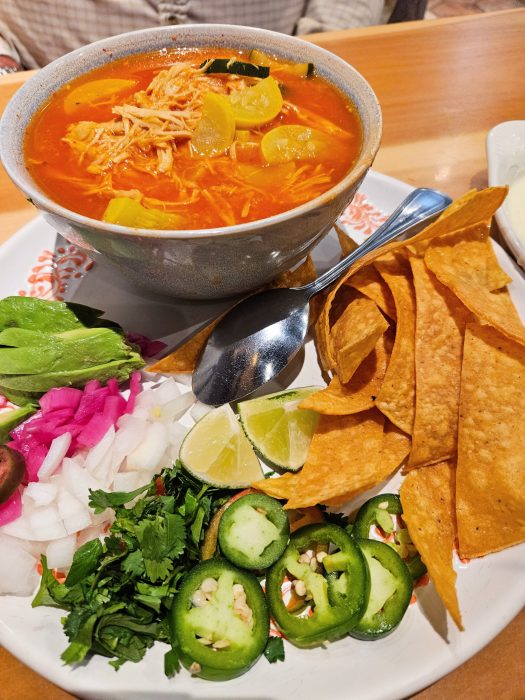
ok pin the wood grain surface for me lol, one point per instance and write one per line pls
(442, 85)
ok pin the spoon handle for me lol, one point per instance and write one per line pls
(420, 208)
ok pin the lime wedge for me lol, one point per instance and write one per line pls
(217, 452)
(279, 430)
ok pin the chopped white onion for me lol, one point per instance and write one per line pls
(173, 410)
(53, 459)
(60, 553)
(97, 453)
(78, 481)
(183, 378)
(40, 492)
(159, 395)
(147, 456)
(126, 481)
(131, 432)
(90, 533)
(75, 515)
(199, 410)
(46, 524)
(18, 575)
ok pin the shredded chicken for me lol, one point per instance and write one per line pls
(149, 127)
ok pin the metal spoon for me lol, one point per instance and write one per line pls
(259, 336)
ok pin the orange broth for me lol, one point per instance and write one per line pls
(220, 192)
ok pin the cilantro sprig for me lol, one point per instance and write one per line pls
(118, 592)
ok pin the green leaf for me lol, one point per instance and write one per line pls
(100, 500)
(175, 535)
(46, 594)
(81, 643)
(274, 650)
(133, 564)
(190, 504)
(171, 663)
(85, 562)
(196, 526)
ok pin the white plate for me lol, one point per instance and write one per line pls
(424, 648)
(506, 162)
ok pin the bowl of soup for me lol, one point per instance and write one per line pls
(200, 160)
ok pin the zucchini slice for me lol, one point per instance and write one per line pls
(230, 65)
(303, 70)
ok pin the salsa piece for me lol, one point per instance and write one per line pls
(219, 621)
(390, 591)
(329, 573)
(254, 531)
(385, 511)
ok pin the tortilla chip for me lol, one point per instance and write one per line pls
(427, 498)
(280, 486)
(323, 343)
(347, 243)
(493, 308)
(355, 335)
(491, 456)
(396, 398)
(394, 450)
(369, 282)
(440, 327)
(361, 391)
(473, 208)
(469, 254)
(304, 274)
(184, 359)
(343, 453)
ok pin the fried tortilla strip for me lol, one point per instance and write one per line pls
(184, 358)
(324, 344)
(473, 208)
(369, 282)
(469, 254)
(280, 486)
(396, 398)
(394, 450)
(355, 334)
(302, 275)
(347, 243)
(440, 328)
(361, 391)
(427, 498)
(343, 453)
(493, 308)
(491, 454)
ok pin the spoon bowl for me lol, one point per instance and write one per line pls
(260, 335)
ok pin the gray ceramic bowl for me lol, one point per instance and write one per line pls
(202, 264)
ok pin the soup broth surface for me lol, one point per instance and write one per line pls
(134, 128)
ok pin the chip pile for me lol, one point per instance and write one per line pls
(426, 353)
(427, 356)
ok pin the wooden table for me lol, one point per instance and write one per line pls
(442, 85)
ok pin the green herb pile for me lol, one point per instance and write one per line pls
(118, 593)
(46, 344)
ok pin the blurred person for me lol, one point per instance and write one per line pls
(35, 32)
